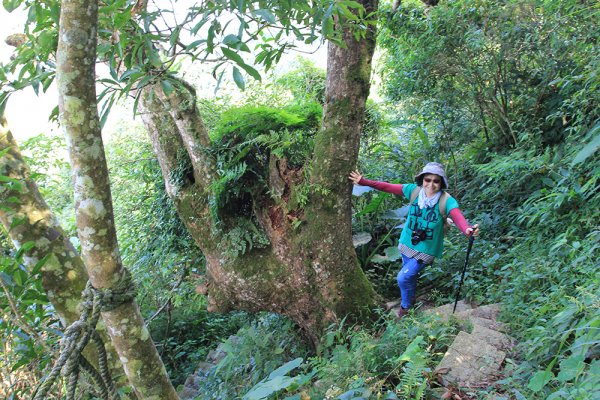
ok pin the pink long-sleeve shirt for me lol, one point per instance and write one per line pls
(396, 188)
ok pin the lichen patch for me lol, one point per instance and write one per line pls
(93, 208)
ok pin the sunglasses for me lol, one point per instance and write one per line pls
(429, 180)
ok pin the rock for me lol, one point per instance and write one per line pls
(487, 323)
(392, 304)
(188, 393)
(215, 356)
(193, 382)
(204, 367)
(497, 339)
(470, 362)
(489, 311)
(445, 311)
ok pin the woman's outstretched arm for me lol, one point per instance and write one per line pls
(461, 223)
(358, 179)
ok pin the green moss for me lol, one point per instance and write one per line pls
(261, 264)
(358, 295)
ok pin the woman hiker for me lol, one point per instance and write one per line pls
(422, 238)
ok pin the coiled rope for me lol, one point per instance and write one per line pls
(78, 335)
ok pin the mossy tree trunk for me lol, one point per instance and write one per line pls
(310, 271)
(76, 58)
(27, 219)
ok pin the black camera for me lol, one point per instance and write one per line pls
(417, 236)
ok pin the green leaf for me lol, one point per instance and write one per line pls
(571, 367)
(251, 71)
(266, 15)
(392, 253)
(423, 136)
(7, 279)
(285, 368)
(210, 45)
(219, 81)
(589, 149)
(19, 276)
(265, 389)
(231, 40)
(167, 87)
(8, 179)
(238, 78)
(5, 151)
(38, 266)
(24, 249)
(327, 27)
(106, 111)
(195, 44)
(241, 6)
(539, 380)
(413, 350)
(232, 55)
(11, 5)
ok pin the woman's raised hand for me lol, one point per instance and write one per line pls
(355, 177)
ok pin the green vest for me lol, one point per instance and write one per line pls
(427, 220)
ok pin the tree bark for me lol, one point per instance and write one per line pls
(76, 57)
(27, 219)
(309, 273)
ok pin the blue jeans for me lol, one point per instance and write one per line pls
(407, 280)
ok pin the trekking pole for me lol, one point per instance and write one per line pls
(462, 278)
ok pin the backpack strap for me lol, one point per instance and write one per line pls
(414, 194)
(443, 199)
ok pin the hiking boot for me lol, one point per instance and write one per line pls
(401, 312)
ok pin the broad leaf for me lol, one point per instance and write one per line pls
(571, 367)
(11, 5)
(589, 149)
(285, 368)
(539, 380)
(413, 350)
(238, 78)
(266, 15)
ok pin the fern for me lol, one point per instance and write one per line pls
(245, 236)
(412, 382)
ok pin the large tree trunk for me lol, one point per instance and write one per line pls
(27, 219)
(309, 273)
(76, 57)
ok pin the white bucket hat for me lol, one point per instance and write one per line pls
(432, 168)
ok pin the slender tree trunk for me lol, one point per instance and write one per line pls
(76, 58)
(309, 273)
(27, 219)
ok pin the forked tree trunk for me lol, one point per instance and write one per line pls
(27, 219)
(76, 58)
(309, 273)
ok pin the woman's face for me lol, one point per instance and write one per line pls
(432, 184)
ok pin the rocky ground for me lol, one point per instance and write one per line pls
(473, 361)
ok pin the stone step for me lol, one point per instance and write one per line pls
(470, 362)
(489, 311)
(445, 311)
(487, 323)
(497, 339)
(392, 304)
